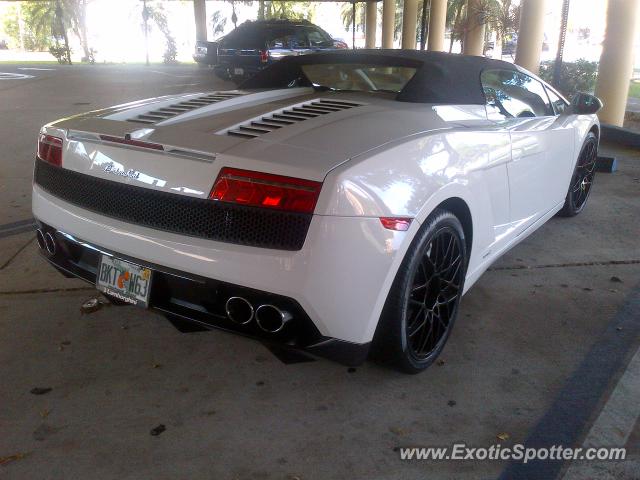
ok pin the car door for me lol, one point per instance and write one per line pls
(542, 144)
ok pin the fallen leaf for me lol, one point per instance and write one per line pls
(451, 403)
(40, 390)
(440, 363)
(615, 279)
(157, 430)
(397, 431)
(11, 458)
(90, 306)
(502, 436)
(45, 413)
(157, 365)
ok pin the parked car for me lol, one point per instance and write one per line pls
(335, 204)
(255, 45)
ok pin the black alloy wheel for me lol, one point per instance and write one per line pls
(423, 302)
(582, 179)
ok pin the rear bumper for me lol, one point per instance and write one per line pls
(185, 297)
(340, 277)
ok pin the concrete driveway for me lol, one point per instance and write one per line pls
(544, 350)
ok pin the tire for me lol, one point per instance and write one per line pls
(420, 299)
(582, 179)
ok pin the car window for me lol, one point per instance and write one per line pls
(358, 77)
(318, 38)
(559, 105)
(279, 38)
(243, 38)
(514, 94)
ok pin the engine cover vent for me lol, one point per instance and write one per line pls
(161, 114)
(289, 116)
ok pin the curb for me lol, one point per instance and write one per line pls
(621, 136)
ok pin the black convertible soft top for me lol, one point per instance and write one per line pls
(440, 77)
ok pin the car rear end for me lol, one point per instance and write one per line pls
(216, 227)
(254, 46)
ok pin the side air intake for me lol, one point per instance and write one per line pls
(161, 114)
(289, 116)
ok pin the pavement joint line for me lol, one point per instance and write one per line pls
(565, 421)
(566, 265)
(16, 228)
(13, 257)
(617, 418)
(47, 290)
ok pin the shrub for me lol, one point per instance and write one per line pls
(578, 76)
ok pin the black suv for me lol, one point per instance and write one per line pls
(254, 45)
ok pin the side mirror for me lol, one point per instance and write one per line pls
(585, 104)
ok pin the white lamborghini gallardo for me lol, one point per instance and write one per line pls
(336, 204)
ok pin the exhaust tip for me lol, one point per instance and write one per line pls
(50, 243)
(40, 239)
(239, 310)
(271, 319)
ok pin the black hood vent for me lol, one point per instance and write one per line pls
(161, 114)
(289, 116)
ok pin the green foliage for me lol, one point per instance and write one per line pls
(218, 22)
(578, 76)
(61, 53)
(289, 10)
(157, 15)
(346, 14)
(38, 20)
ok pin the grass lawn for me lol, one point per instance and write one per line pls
(634, 90)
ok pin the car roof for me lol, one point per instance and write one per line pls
(440, 77)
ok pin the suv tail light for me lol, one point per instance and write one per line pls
(265, 190)
(50, 149)
(264, 56)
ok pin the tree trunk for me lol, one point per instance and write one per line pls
(261, 10)
(83, 29)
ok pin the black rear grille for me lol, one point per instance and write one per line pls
(176, 213)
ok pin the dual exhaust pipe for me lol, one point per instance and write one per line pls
(46, 242)
(269, 318)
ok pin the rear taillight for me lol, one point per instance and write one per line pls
(264, 56)
(50, 149)
(265, 190)
(396, 223)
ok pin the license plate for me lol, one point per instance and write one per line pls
(238, 71)
(123, 280)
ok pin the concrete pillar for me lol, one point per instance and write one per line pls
(200, 15)
(616, 60)
(388, 22)
(370, 21)
(530, 35)
(474, 35)
(409, 24)
(437, 24)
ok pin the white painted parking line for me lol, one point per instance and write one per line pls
(617, 418)
(14, 76)
(37, 69)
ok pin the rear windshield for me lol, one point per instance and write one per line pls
(358, 77)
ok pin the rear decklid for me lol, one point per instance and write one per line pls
(179, 144)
